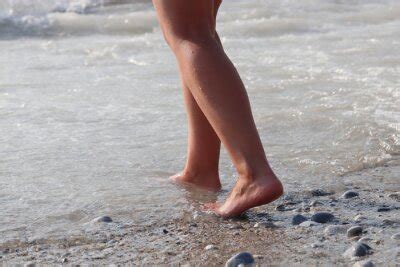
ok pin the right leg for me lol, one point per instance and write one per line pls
(203, 150)
(218, 90)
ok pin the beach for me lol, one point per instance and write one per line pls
(92, 124)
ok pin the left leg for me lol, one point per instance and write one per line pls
(203, 150)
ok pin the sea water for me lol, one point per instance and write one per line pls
(92, 120)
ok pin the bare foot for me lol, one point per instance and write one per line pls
(209, 182)
(248, 194)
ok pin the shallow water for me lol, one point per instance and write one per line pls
(92, 119)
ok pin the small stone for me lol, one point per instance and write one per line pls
(394, 196)
(358, 250)
(384, 209)
(354, 231)
(364, 263)
(388, 222)
(315, 203)
(105, 219)
(322, 217)
(318, 193)
(350, 194)
(165, 231)
(298, 219)
(264, 225)
(240, 259)
(308, 224)
(64, 260)
(317, 245)
(359, 217)
(210, 247)
(396, 236)
(335, 229)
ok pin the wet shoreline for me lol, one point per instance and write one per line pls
(267, 232)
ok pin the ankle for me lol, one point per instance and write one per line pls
(262, 173)
(199, 172)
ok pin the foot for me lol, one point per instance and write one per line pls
(247, 194)
(205, 181)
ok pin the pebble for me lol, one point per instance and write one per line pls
(350, 194)
(298, 219)
(308, 224)
(358, 250)
(322, 217)
(317, 245)
(240, 259)
(335, 229)
(105, 219)
(319, 193)
(396, 236)
(210, 247)
(394, 196)
(264, 225)
(364, 263)
(354, 231)
(359, 217)
(383, 209)
(315, 203)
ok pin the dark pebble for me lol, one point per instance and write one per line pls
(298, 219)
(106, 219)
(165, 231)
(322, 217)
(358, 250)
(383, 209)
(364, 263)
(240, 259)
(354, 231)
(350, 194)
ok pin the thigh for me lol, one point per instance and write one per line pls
(186, 17)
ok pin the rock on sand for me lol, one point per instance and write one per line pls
(240, 259)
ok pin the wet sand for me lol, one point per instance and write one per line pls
(266, 232)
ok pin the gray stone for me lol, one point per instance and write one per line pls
(315, 203)
(298, 219)
(358, 250)
(350, 194)
(240, 259)
(394, 196)
(354, 231)
(396, 236)
(335, 229)
(105, 219)
(318, 193)
(308, 224)
(364, 263)
(322, 217)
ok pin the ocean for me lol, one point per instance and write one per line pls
(92, 120)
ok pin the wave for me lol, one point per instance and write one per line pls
(77, 18)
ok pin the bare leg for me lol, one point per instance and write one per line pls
(212, 79)
(203, 151)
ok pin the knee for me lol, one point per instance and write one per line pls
(190, 40)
